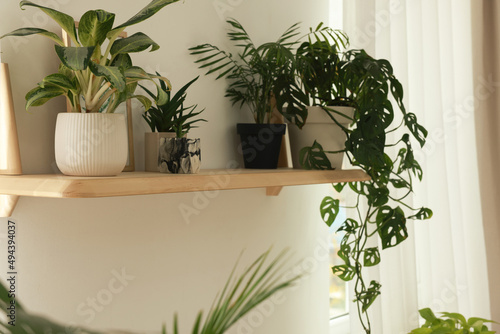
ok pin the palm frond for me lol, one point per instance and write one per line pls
(243, 293)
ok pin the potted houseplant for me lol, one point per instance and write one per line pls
(96, 75)
(328, 77)
(319, 72)
(252, 74)
(450, 323)
(168, 150)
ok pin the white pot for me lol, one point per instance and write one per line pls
(320, 127)
(92, 144)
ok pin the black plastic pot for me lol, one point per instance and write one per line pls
(261, 144)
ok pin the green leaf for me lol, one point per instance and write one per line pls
(418, 131)
(391, 225)
(344, 272)
(112, 74)
(314, 157)
(368, 296)
(66, 22)
(136, 43)
(428, 315)
(339, 187)
(122, 61)
(349, 226)
(35, 31)
(422, 214)
(371, 257)
(399, 183)
(94, 26)
(377, 196)
(152, 8)
(75, 58)
(144, 101)
(59, 80)
(421, 331)
(329, 210)
(39, 95)
(344, 253)
(135, 73)
(456, 316)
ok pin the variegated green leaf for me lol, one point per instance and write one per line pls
(40, 95)
(152, 8)
(94, 26)
(136, 43)
(123, 61)
(59, 80)
(65, 21)
(35, 31)
(137, 74)
(144, 101)
(112, 74)
(75, 58)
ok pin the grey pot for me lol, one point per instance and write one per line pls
(179, 155)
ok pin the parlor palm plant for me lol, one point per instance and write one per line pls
(253, 71)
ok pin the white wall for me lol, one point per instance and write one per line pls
(68, 249)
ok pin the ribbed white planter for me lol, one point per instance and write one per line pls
(92, 144)
(320, 127)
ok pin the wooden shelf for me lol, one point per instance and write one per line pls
(142, 183)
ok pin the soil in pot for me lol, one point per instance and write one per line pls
(261, 144)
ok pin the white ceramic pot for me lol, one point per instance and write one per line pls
(320, 127)
(92, 144)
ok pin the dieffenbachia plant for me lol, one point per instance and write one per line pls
(96, 73)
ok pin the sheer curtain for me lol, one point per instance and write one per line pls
(443, 264)
(486, 46)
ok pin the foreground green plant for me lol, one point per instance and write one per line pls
(94, 73)
(172, 116)
(451, 323)
(240, 295)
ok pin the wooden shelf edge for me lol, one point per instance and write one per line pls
(142, 183)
